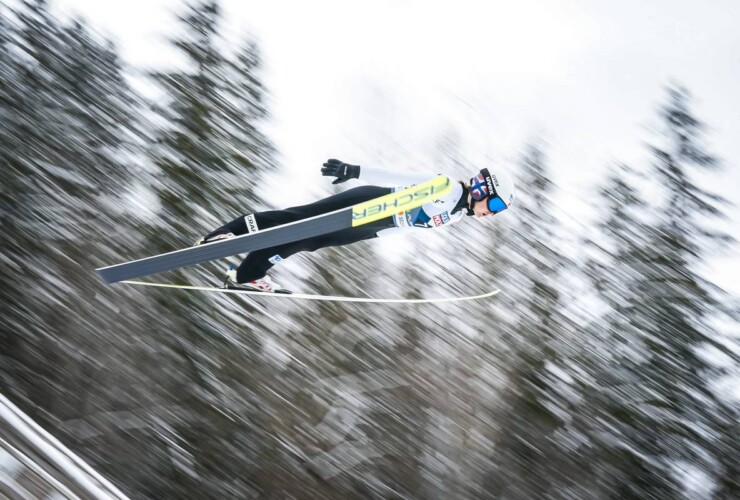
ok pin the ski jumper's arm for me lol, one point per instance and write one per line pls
(344, 172)
(380, 177)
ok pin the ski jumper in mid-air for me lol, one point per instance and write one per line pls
(487, 193)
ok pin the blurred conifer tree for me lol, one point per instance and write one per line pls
(654, 415)
(211, 157)
(528, 460)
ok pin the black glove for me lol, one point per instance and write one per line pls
(342, 171)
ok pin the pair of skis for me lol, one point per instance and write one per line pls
(354, 216)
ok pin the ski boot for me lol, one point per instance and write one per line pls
(259, 285)
(216, 237)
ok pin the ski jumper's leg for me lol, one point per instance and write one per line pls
(257, 263)
(271, 218)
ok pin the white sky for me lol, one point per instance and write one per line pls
(351, 78)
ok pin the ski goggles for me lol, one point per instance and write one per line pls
(481, 187)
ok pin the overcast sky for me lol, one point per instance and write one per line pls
(351, 78)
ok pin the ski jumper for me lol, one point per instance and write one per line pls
(441, 212)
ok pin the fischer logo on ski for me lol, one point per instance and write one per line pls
(390, 204)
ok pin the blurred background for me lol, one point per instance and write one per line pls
(608, 367)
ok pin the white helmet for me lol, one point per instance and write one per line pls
(497, 187)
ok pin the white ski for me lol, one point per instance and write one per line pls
(305, 296)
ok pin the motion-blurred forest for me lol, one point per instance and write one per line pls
(605, 372)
